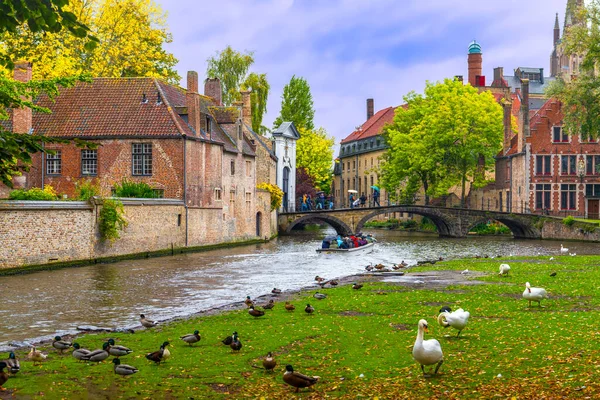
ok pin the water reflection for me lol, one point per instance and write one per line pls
(113, 295)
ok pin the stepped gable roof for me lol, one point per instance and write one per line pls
(114, 107)
(373, 126)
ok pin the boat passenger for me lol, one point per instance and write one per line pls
(325, 244)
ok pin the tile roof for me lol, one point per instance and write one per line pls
(261, 141)
(535, 87)
(373, 126)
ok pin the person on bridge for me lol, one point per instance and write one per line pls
(363, 200)
(351, 200)
(376, 198)
(304, 204)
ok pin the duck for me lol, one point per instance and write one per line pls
(396, 267)
(3, 374)
(157, 356)
(534, 294)
(117, 350)
(553, 274)
(269, 305)
(147, 323)
(123, 369)
(12, 363)
(369, 267)
(79, 353)
(379, 266)
(166, 352)
(191, 338)
(551, 258)
(289, 306)
(248, 302)
(61, 345)
(427, 352)
(563, 250)
(309, 309)
(504, 270)
(276, 291)
(269, 362)
(319, 296)
(298, 380)
(236, 345)
(465, 272)
(229, 339)
(98, 355)
(357, 286)
(457, 319)
(572, 254)
(255, 313)
(319, 279)
(333, 282)
(36, 356)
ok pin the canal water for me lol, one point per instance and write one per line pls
(45, 304)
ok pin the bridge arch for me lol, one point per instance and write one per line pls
(445, 227)
(520, 229)
(340, 226)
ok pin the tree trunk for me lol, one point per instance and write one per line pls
(464, 184)
(425, 188)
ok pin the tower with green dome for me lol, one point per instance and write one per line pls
(475, 62)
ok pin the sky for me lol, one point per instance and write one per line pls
(351, 50)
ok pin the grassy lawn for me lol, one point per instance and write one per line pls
(360, 343)
(592, 221)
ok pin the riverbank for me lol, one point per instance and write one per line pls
(359, 342)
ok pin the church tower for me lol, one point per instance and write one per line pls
(554, 63)
(560, 62)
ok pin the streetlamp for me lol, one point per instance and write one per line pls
(581, 169)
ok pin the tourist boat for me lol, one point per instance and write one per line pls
(361, 250)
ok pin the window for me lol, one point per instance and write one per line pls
(542, 196)
(248, 201)
(353, 165)
(239, 130)
(248, 168)
(592, 190)
(208, 127)
(342, 166)
(592, 165)
(218, 194)
(587, 139)
(232, 202)
(348, 165)
(568, 194)
(54, 163)
(232, 166)
(89, 162)
(377, 142)
(142, 158)
(559, 136)
(543, 165)
(568, 165)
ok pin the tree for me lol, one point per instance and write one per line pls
(314, 152)
(130, 35)
(445, 137)
(231, 68)
(296, 105)
(304, 184)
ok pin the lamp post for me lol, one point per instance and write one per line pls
(581, 169)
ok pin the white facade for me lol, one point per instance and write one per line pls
(285, 138)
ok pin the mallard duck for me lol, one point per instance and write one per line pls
(229, 339)
(534, 294)
(289, 306)
(553, 274)
(248, 302)
(298, 380)
(427, 352)
(79, 353)
(357, 286)
(117, 350)
(191, 338)
(333, 282)
(276, 291)
(36, 356)
(269, 305)
(369, 268)
(255, 313)
(166, 352)
(157, 356)
(123, 369)
(12, 363)
(309, 309)
(61, 345)
(457, 319)
(319, 279)
(147, 323)
(3, 374)
(504, 269)
(98, 355)
(236, 345)
(319, 296)
(269, 362)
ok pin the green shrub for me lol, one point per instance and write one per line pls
(569, 221)
(111, 220)
(85, 190)
(46, 194)
(139, 190)
(409, 224)
(492, 228)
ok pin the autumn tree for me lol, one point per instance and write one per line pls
(231, 68)
(314, 152)
(130, 34)
(447, 136)
(305, 184)
(296, 105)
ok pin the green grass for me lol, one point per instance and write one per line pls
(591, 221)
(540, 353)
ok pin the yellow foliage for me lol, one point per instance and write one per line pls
(276, 194)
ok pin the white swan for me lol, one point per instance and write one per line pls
(534, 294)
(563, 250)
(504, 268)
(457, 319)
(427, 352)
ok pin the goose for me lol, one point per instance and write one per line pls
(289, 306)
(12, 363)
(61, 345)
(269, 305)
(123, 369)
(563, 250)
(98, 355)
(117, 350)
(319, 296)
(309, 309)
(297, 379)
(427, 352)
(229, 339)
(36, 356)
(248, 302)
(276, 291)
(147, 323)
(191, 338)
(79, 353)
(269, 362)
(457, 319)
(255, 313)
(236, 345)
(504, 269)
(3, 374)
(357, 286)
(534, 294)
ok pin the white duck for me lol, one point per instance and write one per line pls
(457, 319)
(504, 268)
(563, 250)
(534, 294)
(427, 352)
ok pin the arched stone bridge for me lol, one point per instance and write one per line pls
(450, 222)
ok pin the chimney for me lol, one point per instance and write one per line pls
(246, 108)
(498, 77)
(22, 117)
(524, 132)
(475, 61)
(542, 76)
(370, 108)
(212, 88)
(192, 102)
(459, 78)
(507, 125)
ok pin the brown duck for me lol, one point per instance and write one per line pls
(255, 313)
(269, 305)
(229, 339)
(289, 306)
(4, 374)
(297, 379)
(357, 286)
(269, 362)
(248, 302)
(236, 345)
(309, 309)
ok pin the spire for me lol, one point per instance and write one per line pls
(556, 31)
(570, 13)
(556, 25)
